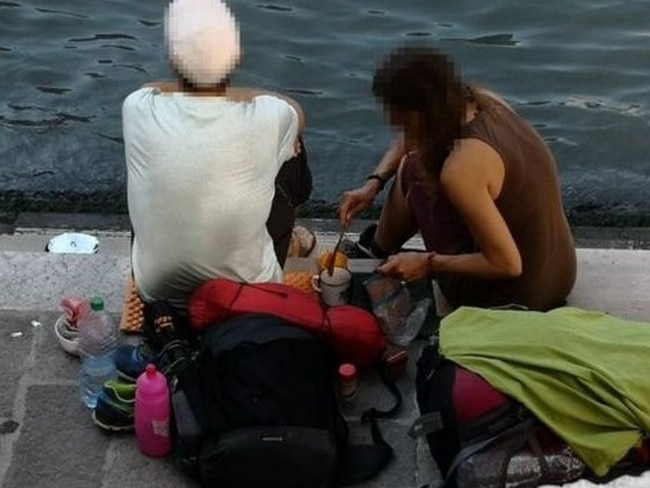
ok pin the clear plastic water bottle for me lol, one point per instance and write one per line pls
(98, 341)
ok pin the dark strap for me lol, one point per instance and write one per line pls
(426, 424)
(520, 431)
(364, 461)
(497, 420)
(372, 414)
(536, 448)
(512, 446)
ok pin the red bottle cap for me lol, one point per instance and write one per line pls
(347, 371)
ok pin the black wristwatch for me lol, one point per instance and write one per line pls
(382, 181)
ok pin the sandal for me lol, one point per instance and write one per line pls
(303, 242)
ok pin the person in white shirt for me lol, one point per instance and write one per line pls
(207, 163)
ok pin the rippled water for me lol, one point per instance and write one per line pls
(579, 71)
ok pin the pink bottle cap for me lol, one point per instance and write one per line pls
(347, 371)
(151, 370)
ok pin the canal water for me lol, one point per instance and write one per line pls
(579, 71)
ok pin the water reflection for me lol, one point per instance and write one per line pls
(61, 12)
(99, 37)
(277, 8)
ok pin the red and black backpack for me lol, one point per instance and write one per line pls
(481, 438)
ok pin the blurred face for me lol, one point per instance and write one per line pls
(408, 121)
(396, 117)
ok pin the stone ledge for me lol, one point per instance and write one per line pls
(615, 281)
(118, 225)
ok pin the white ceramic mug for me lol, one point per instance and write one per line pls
(334, 289)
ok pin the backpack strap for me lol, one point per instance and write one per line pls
(493, 422)
(364, 461)
(520, 433)
(537, 450)
(514, 444)
(426, 424)
(372, 414)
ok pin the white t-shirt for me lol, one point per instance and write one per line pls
(201, 180)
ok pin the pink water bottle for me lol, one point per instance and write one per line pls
(152, 412)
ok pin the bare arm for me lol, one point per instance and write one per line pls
(472, 178)
(388, 164)
(355, 201)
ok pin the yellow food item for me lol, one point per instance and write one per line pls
(300, 280)
(340, 261)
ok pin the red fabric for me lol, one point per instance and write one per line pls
(354, 333)
(473, 396)
(641, 454)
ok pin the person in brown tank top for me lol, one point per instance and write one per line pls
(478, 183)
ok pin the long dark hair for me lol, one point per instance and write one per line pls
(423, 80)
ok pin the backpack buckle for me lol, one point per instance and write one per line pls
(426, 424)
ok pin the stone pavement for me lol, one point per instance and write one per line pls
(47, 438)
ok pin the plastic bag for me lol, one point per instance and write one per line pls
(392, 304)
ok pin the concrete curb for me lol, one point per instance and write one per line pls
(118, 226)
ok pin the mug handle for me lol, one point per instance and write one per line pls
(315, 283)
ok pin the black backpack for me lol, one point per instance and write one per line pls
(258, 407)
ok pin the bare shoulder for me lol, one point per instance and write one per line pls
(470, 155)
(473, 163)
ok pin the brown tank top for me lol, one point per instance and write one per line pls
(531, 205)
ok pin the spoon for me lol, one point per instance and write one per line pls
(332, 258)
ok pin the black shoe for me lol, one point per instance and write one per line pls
(365, 247)
(352, 250)
(162, 324)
